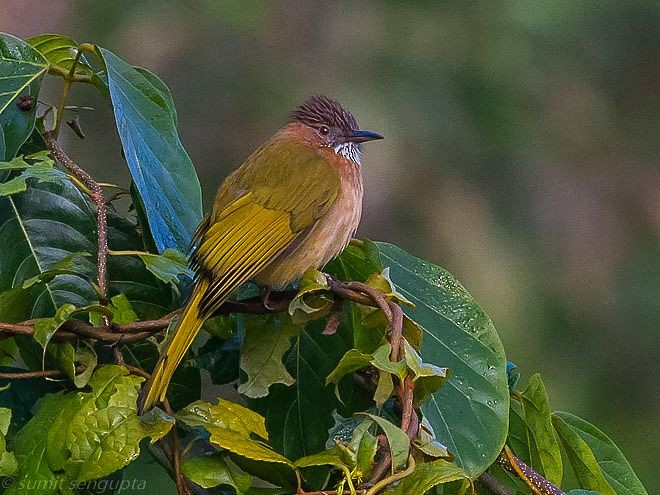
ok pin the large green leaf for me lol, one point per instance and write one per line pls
(22, 69)
(469, 414)
(296, 414)
(597, 462)
(162, 171)
(47, 223)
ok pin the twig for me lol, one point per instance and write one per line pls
(61, 157)
(534, 480)
(493, 485)
(394, 478)
(24, 375)
(334, 319)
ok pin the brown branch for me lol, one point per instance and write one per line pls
(61, 157)
(493, 485)
(24, 375)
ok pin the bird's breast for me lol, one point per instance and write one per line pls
(324, 240)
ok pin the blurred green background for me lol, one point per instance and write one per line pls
(521, 153)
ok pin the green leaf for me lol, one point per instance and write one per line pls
(296, 414)
(470, 413)
(358, 261)
(44, 329)
(121, 309)
(60, 51)
(384, 388)
(546, 456)
(582, 492)
(398, 441)
(16, 304)
(225, 415)
(50, 222)
(308, 305)
(427, 442)
(597, 462)
(69, 265)
(66, 357)
(81, 436)
(384, 284)
(266, 341)
(162, 171)
(212, 470)
(22, 69)
(39, 172)
(428, 475)
(8, 464)
(352, 361)
(427, 377)
(363, 445)
(168, 266)
(330, 457)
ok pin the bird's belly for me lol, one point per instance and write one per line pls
(324, 241)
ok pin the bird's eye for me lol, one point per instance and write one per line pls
(324, 131)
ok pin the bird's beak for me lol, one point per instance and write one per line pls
(363, 136)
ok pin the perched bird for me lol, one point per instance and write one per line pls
(293, 205)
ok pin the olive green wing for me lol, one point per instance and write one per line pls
(270, 202)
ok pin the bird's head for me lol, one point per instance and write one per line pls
(332, 126)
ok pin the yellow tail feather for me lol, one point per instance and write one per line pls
(190, 323)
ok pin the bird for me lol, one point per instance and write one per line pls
(293, 205)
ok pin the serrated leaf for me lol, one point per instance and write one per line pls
(546, 456)
(597, 462)
(224, 415)
(237, 443)
(121, 309)
(162, 171)
(470, 412)
(60, 51)
(428, 475)
(38, 173)
(84, 435)
(22, 69)
(212, 470)
(398, 441)
(266, 341)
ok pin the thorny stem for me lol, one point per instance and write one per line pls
(101, 209)
(535, 481)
